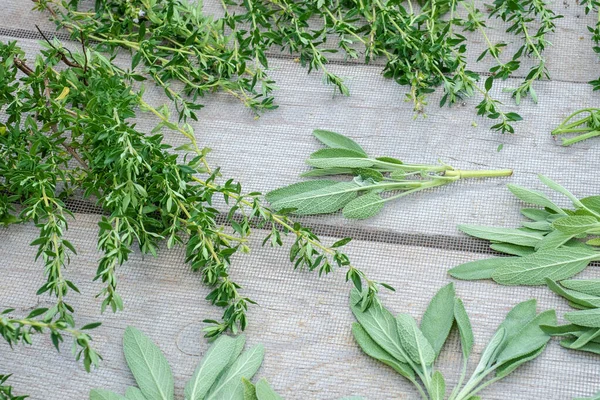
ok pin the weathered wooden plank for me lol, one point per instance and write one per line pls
(303, 321)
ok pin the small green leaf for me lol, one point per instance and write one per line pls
(480, 269)
(585, 338)
(528, 339)
(574, 225)
(100, 394)
(363, 207)
(512, 249)
(438, 386)
(413, 341)
(504, 235)
(467, 340)
(581, 299)
(439, 318)
(587, 318)
(588, 286)
(534, 197)
(229, 384)
(265, 392)
(249, 390)
(307, 200)
(338, 141)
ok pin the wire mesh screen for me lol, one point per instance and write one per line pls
(303, 321)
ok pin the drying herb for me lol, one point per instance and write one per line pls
(411, 350)
(555, 243)
(585, 123)
(71, 130)
(6, 390)
(361, 197)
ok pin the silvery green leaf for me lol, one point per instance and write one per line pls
(504, 235)
(438, 386)
(213, 363)
(574, 296)
(265, 392)
(326, 172)
(585, 338)
(148, 366)
(587, 286)
(591, 347)
(339, 158)
(467, 340)
(363, 207)
(534, 197)
(439, 318)
(560, 189)
(320, 201)
(574, 225)
(562, 330)
(555, 264)
(510, 366)
(512, 249)
(368, 345)
(528, 339)
(380, 324)
(413, 341)
(100, 394)
(518, 317)
(133, 393)
(543, 226)
(480, 269)
(249, 390)
(587, 318)
(553, 240)
(229, 386)
(535, 214)
(335, 140)
(298, 188)
(592, 203)
(489, 354)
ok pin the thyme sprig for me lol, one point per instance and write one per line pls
(6, 390)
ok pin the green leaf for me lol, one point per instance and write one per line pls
(297, 188)
(480, 269)
(148, 365)
(591, 347)
(380, 324)
(491, 350)
(327, 199)
(512, 249)
(413, 341)
(510, 366)
(562, 330)
(249, 390)
(339, 158)
(592, 203)
(213, 363)
(368, 345)
(585, 338)
(574, 296)
(101, 394)
(133, 393)
(534, 197)
(265, 392)
(556, 264)
(504, 235)
(327, 172)
(439, 318)
(574, 225)
(587, 318)
(536, 214)
(363, 207)
(518, 317)
(528, 339)
(467, 340)
(438, 386)
(587, 286)
(553, 240)
(338, 141)
(229, 385)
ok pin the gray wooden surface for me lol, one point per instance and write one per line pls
(303, 321)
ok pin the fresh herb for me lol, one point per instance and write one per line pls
(6, 390)
(411, 350)
(361, 197)
(555, 243)
(71, 130)
(585, 123)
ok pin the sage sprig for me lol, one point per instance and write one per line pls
(411, 349)
(6, 390)
(361, 197)
(555, 243)
(583, 124)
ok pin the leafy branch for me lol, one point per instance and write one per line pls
(6, 390)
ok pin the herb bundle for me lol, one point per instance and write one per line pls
(6, 390)
(69, 130)
(555, 243)
(361, 197)
(411, 350)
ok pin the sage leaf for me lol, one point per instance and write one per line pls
(553, 240)
(542, 226)
(536, 214)
(380, 324)
(335, 140)
(560, 189)
(510, 366)
(587, 286)
(512, 249)
(504, 235)
(480, 269)
(249, 390)
(587, 318)
(518, 317)
(339, 158)
(313, 173)
(574, 225)
(324, 200)
(437, 390)
(439, 318)
(101, 394)
(372, 349)
(213, 363)
(555, 264)
(298, 188)
(413, 341)
(265, 392)
(148, 365)
(363, 207)
(229, 385)
(592, 203)
(562, 330)
(467, 340)
(528, 339)
(573, 296)
(534, 197)
(133, 393)
(585, 337)
(491, 350)
(591, 347)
